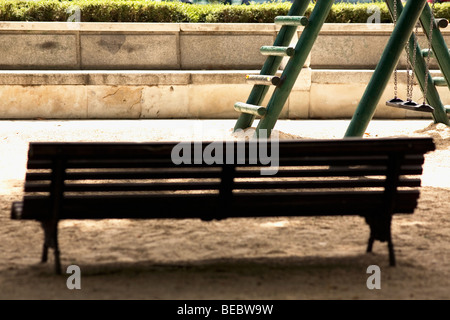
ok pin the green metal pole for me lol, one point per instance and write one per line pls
(389, 59)
(433, 97)
(272, 63)
(294, 66)
(439, 47)
(442, 56)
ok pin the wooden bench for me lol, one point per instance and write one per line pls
(373, 178)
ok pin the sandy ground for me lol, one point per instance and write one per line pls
(277, 258)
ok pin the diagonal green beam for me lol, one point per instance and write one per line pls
(270, 67)
(439, 47)
(382, 74)
(442, 56)
(294, 66)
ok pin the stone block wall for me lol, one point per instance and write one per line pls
(151, 70)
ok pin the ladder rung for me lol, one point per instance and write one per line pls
(277, 51)
(291, 20)
(441, 22)
(440, 81)
(250, 108)
(264, 80)
(425, 52)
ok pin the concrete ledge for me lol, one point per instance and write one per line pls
(125, 94)
(194, 94)
(132, 46)
(358, 46)
(181, 46)
(123, 78)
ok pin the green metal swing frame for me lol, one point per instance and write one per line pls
(413, 11)
(403, 34)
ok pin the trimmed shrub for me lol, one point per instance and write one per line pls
(175, 11)
(357, 13)
(95, 11)
(256, 13)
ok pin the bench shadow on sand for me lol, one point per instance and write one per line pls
(277, 278)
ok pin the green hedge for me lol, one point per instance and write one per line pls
(150, 11)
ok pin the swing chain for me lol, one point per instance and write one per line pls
(411, 60)
(430, 37)
(411, 65)
(395, 71)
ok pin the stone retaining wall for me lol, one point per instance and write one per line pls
(178, 46)
(317, 94)
(146, 70)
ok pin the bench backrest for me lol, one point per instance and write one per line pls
(218, 180)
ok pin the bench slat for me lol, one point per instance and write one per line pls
(176, 173)
(241, 172)
(126, 187)
(346, 146)
(333, 172)
(335, 160)
(317, 184)
(243, 205)
(250, 185)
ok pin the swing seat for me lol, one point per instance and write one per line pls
(410, 105)
(394, 102)
(424, 107)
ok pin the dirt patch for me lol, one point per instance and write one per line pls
(270, 258)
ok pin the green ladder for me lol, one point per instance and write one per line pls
(413, 11)
(279, 50)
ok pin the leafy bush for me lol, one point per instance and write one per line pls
(95, 11)
(256, 13)
(132, 11)
(357, 13)
(175, 11)
(442, 10)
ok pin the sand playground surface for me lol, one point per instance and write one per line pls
(255, 258)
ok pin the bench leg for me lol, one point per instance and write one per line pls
(56, 253)
(44, 253)
(391, 252)
(51, 241)
(380, 229)
(370, 244)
